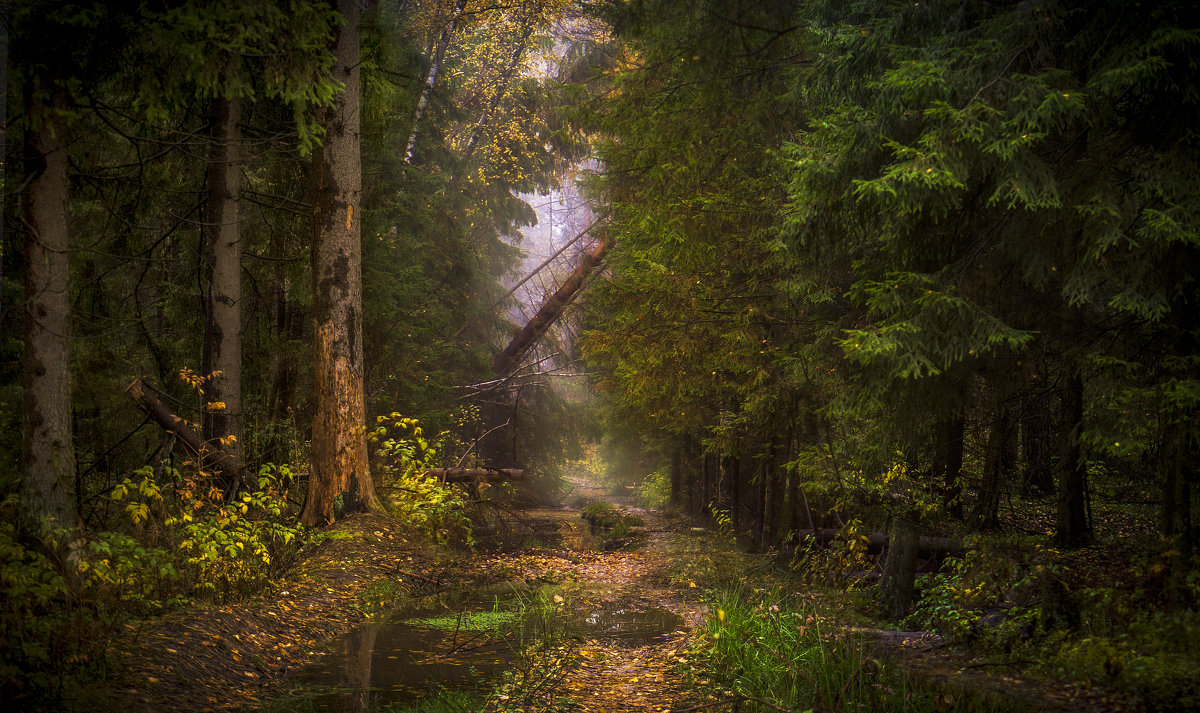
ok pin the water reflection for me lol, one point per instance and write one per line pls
(443, 647)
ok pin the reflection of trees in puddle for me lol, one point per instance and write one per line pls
(460, 644)
(357, 650)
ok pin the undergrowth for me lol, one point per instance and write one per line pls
(175, 541)
(767, 650)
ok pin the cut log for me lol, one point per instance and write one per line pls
(877, 542)
(508, 360)
(222, 465)
(471, 475)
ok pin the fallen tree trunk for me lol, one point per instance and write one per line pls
(224, 466)
(508, 360)
(877, 542)
(471, 475)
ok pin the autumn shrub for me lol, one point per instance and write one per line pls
(839, 563)
(174, 542)
(422, 501)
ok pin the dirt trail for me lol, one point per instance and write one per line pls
(615, 676)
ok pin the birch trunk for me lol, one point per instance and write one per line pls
(435, 66)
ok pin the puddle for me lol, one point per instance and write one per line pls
(464, 644)
(631, 626)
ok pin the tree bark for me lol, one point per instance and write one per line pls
(339, 447)
(220, 464)
(877, 542)
(48, 488)
(221, 415)
(900, 567)
(1073, 528)
(470, 475)
(996, 467)
(677, 476)
(1036, 427)
(1177, 458)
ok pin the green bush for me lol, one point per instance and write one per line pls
(655, 490)
(177, 541)
(422, 501)
(602, 515)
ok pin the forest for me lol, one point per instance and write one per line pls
(871, 327)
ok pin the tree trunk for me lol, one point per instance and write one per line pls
(1177, 458)
(221, 415)
(48, 488)
(1035, 444)
(948, 463)
(435, 66)
(677, 476)
(1073, 528)
(4, 44)
(996, 467)
(900, 567)
(339, 447)
(470, 475)
(877, 542)
(221, 464)
(508, 360)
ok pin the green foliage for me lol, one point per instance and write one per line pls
(839, 563)
(606, 516)
(774, 651)
(954, 600)
(655, 489)
(1163, 680)
(382, 596)
(181, 543)
(443, 702)
(420, 500)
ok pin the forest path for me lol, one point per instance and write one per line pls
(651, 571)
(238, 655)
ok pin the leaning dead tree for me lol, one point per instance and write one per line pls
(226, 468)
(508, 360)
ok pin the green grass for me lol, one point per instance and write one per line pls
(470, 621)
(771, 651)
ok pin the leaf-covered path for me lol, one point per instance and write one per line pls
(242, 654)
(611, 675)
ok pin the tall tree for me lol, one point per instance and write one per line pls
(339, 446)
(222, 357)
(48, 492)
